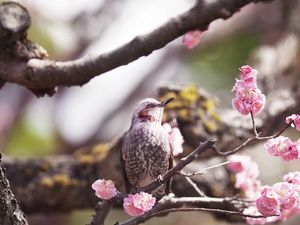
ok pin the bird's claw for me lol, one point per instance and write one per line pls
(160, 179)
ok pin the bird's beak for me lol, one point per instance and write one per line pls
(165, 102)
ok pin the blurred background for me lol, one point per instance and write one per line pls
(101, 110)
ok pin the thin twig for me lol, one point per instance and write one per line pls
(255, 138)
(201, 172)
(276, 134)
(102, 210)
(227, 212)
(253, 125)
(192, 183)
(225, 153)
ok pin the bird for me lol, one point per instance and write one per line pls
(146, 152)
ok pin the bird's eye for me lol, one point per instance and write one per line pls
(150, 105)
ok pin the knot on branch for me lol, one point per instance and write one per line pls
(14, 23)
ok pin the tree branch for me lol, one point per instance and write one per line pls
(173, 204)
(44, 75)
(102, 210)
(10, 212)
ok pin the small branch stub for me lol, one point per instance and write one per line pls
(14, 23)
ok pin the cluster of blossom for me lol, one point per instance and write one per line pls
(277, 202)
(175, 138)
(248, 98)
(134, 205)
(283, 147)
(246, 173)
(281, 199)
(192, 39)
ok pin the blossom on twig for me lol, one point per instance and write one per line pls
(295, 120)
(104, 189)
(252, 210)
(283, 147)
(249, 98)
(138, 204)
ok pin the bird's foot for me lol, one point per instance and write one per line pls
(160, 179)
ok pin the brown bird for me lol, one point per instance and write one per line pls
(146, 152)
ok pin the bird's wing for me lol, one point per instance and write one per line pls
(123, 155)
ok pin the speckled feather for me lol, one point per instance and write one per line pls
(145, 155)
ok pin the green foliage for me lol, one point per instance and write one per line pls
(24, 141)
(216, 65)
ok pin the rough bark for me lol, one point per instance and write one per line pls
(10, 211)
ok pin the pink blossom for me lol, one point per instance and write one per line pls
(283, 147)
(238, 163)
(295, 119)
(285, 214)
(175, 139)
(253, 190)
(253, 211)
(246, 182)
(248, 97)
(105, 189)
(241, 163)
(138, 204)
(246, 173)
(192, 39)
(287, 195)
(248, 74)
(292, 178)
(268, 203)
(248, 100)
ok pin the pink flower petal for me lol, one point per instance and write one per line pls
(175, 139)
(105, 189)
(268, 203)
(138, 204)
(295, 119)
(283, 147)
(192, 39)
(248, 97)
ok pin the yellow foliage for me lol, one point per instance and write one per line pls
(61, 179)
(46, 181)
(189, 93)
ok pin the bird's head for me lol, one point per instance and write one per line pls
(149, 110)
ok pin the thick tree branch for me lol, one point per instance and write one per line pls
(10, 212)
(44, 75)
